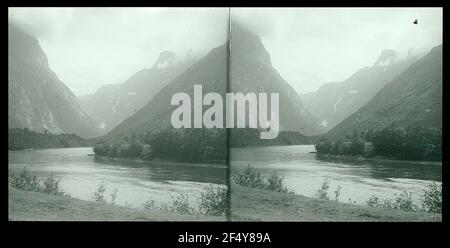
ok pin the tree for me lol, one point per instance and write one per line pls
(389, 141)
(357, 146)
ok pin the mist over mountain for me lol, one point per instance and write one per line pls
(333, 102)
(37, 99)
(113, 103)
(413, 98)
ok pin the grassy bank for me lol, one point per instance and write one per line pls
(251, 204)
(27, 206)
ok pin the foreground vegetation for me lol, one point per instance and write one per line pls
(26, 181)
(430, 200)
(252, 204)
(251, 178)
(414, 143)
(19, 139)
(35, 206)
(213, 201)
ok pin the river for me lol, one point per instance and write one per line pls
(136, 181)
(304, 172)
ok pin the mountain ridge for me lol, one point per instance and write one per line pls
(111, 104)
(335, 101)
(413, 98)
(37, 98)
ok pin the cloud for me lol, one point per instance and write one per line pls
(89, 47)
(312, 46)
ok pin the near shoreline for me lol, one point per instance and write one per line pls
(34, 206)
(250, 204)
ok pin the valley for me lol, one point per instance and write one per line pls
(211, 125)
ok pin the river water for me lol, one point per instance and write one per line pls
(304, 172)
(136, 182)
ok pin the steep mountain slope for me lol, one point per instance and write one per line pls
(210, 72)
(152, 123)
(37, 99)
(414, 98)
(252, 71)
(111, 104)
(333, 102)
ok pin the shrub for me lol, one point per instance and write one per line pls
(150, 204)
(276, 183)
(374, 201)
(404, 202)
(250, 178)
(99, 195)
(322, 192)
(214, 201)
(181, 205)
(430, 201)
(432, 198)
(52, 187)
(337, 193)
(211, 202)
(114, 195)
(26, 181)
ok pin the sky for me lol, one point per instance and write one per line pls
(312, 46)
(90, 47)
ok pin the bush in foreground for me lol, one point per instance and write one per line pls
(26, 181)
(432, 198)
(214, 201)
(252, 179)
(430, 201)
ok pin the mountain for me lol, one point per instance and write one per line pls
(413, 98)
(252, 71)
(113, 103)
(210, 72)
(152, 123)
(37, 99)
(333, 102)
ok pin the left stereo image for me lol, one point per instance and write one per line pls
(91, 101)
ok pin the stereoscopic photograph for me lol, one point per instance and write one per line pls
(225, 114)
